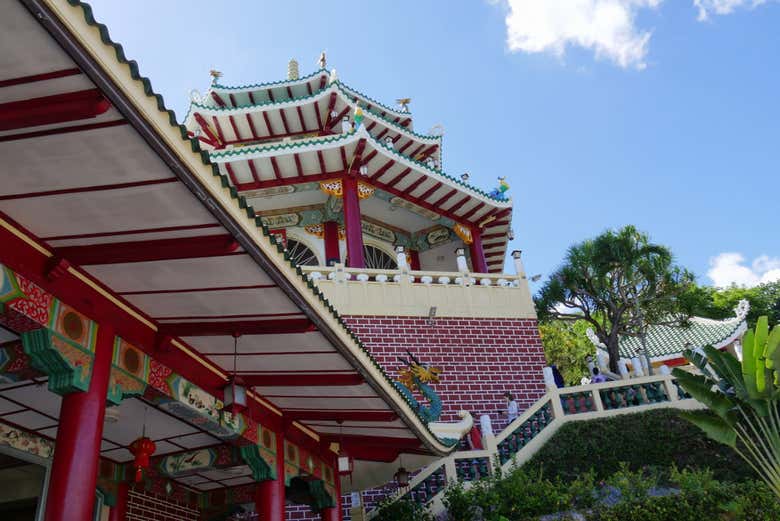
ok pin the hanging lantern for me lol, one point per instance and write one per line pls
(142, 449)
(345, 463)
(235, 390)
(402, 477)
(235, 395)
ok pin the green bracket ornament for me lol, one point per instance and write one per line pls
(69, 367)
(320, 499)
(261, 471)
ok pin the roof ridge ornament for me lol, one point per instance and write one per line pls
(403, 103)
(741, 310)
(215, 75)
(292, 69)
(322, 61)
(333, 77)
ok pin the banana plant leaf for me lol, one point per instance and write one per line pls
(749, 364)
(701, 389)
(715, 427)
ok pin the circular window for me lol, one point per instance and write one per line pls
(378, 259)
(300, 254)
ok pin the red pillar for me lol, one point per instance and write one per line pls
(71, 494)
(352, 227)
(331, 238)
(118, 512)
(415, 260)
(269, 497)
(336, 513)
(478, 263)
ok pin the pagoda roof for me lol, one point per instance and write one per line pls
(667, 342)
(262, 119)
(321, 158)
(163, 247)
(307, 84)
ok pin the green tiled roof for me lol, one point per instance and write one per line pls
(670, 341)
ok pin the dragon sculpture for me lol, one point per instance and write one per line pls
(416, 376)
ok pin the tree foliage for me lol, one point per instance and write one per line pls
(619, 282)
(566, 346)
(719, 303)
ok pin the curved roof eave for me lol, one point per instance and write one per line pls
(107, 59)
(252, 152)
(337, 87)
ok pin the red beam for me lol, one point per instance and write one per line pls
(143, 251)
(232, 100)
(207, 129)
(288, 181)
(275, 166)
(219, 100)
(455, 207)
(382, 169)
(284, 121)
(430, 191)
(268, 124)
(370, 156)
(303, 380)
(298, 166)
(253, 169)
(91, 188)
(401, 150)
(416, 151)
(237, 327)
(309, 89)
(428, 151)
(474, 210)
(231, 174)
(321, 159)
(412, 187)
(219, 128)
(39, 77)
(446, 197)
(493, 235)
(331, 104)
(394, 181)
(251, 126)
(339, 415)
(235, 128)
(289, 92)
(379, 136)
(300, 118)
(323, 79)
(338, 117)
(49, 110)
(271, 95)
(63, 130)
(317, 113)
(251, 98)
(343, 155)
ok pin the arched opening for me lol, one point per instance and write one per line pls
(377, 259)
(300, 254)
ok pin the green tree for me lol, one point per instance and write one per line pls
(719, 303)
(619, 282)
(566, 345)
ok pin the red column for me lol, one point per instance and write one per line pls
(415, 260)
(352, 227)
(118, 512)
(336, 513)
(269, 497)
(71, 494)
(478, 264)
(331, 238)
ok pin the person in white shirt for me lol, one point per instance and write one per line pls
(511, 407)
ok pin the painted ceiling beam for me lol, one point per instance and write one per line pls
(39, 77)
(49, 110)
(205, 127)
(144, 251)
(303, 380)
(219, 100)
(340, 415)
(237, 327)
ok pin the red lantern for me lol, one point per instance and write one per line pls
(142, 449)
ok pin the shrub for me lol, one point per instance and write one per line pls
(658, 438)
(402, 510)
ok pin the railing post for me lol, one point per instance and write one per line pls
(557, 407)
(599, 406)
(450, 471)
(671, 389)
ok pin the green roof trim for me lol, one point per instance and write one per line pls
(147, 86)
(270, 84)
(340, 137)
(670, 341)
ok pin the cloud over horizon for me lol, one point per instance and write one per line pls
(729, 268)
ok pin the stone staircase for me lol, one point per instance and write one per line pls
(522, 438)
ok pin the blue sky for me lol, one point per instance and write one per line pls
(662, 114)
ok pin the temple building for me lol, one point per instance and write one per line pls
(282, 301)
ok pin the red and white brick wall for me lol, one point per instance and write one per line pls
(480, 358)
(145, 506)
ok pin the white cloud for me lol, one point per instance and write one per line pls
(720, 7)
(730, 268)
(606, 27)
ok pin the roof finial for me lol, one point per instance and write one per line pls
(292, 69)
(215, 75)
(333, 76)
(404, 103)
(322, 61)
